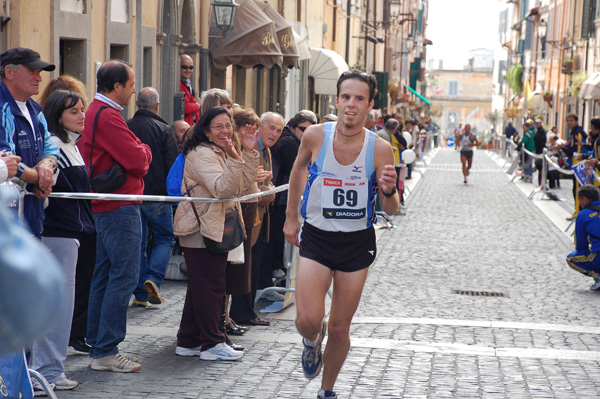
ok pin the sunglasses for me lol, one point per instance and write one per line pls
(191, 68)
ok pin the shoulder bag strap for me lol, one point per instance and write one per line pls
(93, 136)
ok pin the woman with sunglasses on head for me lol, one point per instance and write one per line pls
(213, 169)
(67, 223)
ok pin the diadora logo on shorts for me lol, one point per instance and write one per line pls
(371, 252)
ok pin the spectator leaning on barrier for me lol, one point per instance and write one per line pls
(67, 222)
(577, 137)
(23, 130)
(86, 252)
(241, 279)
(157, 217)
(528, 143)
(213, 169)
(587, 235)
(594, 161)
(539, 139)
(118, 224)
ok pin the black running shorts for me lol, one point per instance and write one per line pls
(346, 252)
(466, 152)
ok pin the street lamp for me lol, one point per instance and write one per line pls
(394, 8)
(225, 14)
(542, 29)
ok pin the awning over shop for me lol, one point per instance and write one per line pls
(285, 35)
(418, 95)
(252, 41)
(590, 88)
(302, 45)
(326, 66)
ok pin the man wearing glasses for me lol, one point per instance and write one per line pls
(347, 165)
(192, 102)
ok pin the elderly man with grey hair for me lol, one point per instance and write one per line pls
(152, 130)
(371, 120)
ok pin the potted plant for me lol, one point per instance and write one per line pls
(576, 81)
(514, 77)
(567, 66)
(548, 96)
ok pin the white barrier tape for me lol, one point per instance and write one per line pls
(561, 170)
(163, 198)
(511, 142)
(531, 154)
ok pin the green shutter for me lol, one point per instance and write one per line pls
(587, 23)
(415, 72)
(420, 22)
(381, 97)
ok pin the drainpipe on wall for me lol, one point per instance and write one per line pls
(204, 52)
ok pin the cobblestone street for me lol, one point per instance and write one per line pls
(417, 333)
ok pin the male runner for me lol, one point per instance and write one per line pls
(467, 141)
(347, 165)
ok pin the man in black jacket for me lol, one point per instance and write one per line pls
(539, 138)
(283, 155)
(158, 216)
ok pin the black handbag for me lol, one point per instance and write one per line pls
(233, 232)
(109, 180)
(233, 235)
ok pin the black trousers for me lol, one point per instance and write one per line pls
(86, 261)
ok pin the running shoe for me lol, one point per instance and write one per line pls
(181, 351)
(312, 358)
(326, 394)
(221, 351)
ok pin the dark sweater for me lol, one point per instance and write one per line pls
(152, 130)
(283, 154)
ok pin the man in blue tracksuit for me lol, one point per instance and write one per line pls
(587, 235)
(23, 130)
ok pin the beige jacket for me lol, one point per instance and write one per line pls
(209, 173)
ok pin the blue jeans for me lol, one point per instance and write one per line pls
(158, 216)
(119, 236)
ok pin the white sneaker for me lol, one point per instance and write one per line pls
(181, 351)
(221, 351)
(65, 384)
(38, 390)
(117, 363)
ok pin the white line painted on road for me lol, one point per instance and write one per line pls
(479, 323)
(390, 344)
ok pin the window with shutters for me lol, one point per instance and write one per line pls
(453, 88)
(587, 23)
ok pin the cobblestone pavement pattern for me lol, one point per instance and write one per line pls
(412, 336)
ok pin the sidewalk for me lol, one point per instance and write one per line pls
(420, 330)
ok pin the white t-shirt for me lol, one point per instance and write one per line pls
(25, 112)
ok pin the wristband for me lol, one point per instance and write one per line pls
(390, 194)
(21, 169)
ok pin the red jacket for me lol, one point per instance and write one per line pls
(114, 142)
(192, 108)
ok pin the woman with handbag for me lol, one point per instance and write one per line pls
(208, 230)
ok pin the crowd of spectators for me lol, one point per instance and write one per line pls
(114, 254)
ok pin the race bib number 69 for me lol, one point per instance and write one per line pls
(344, 199)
